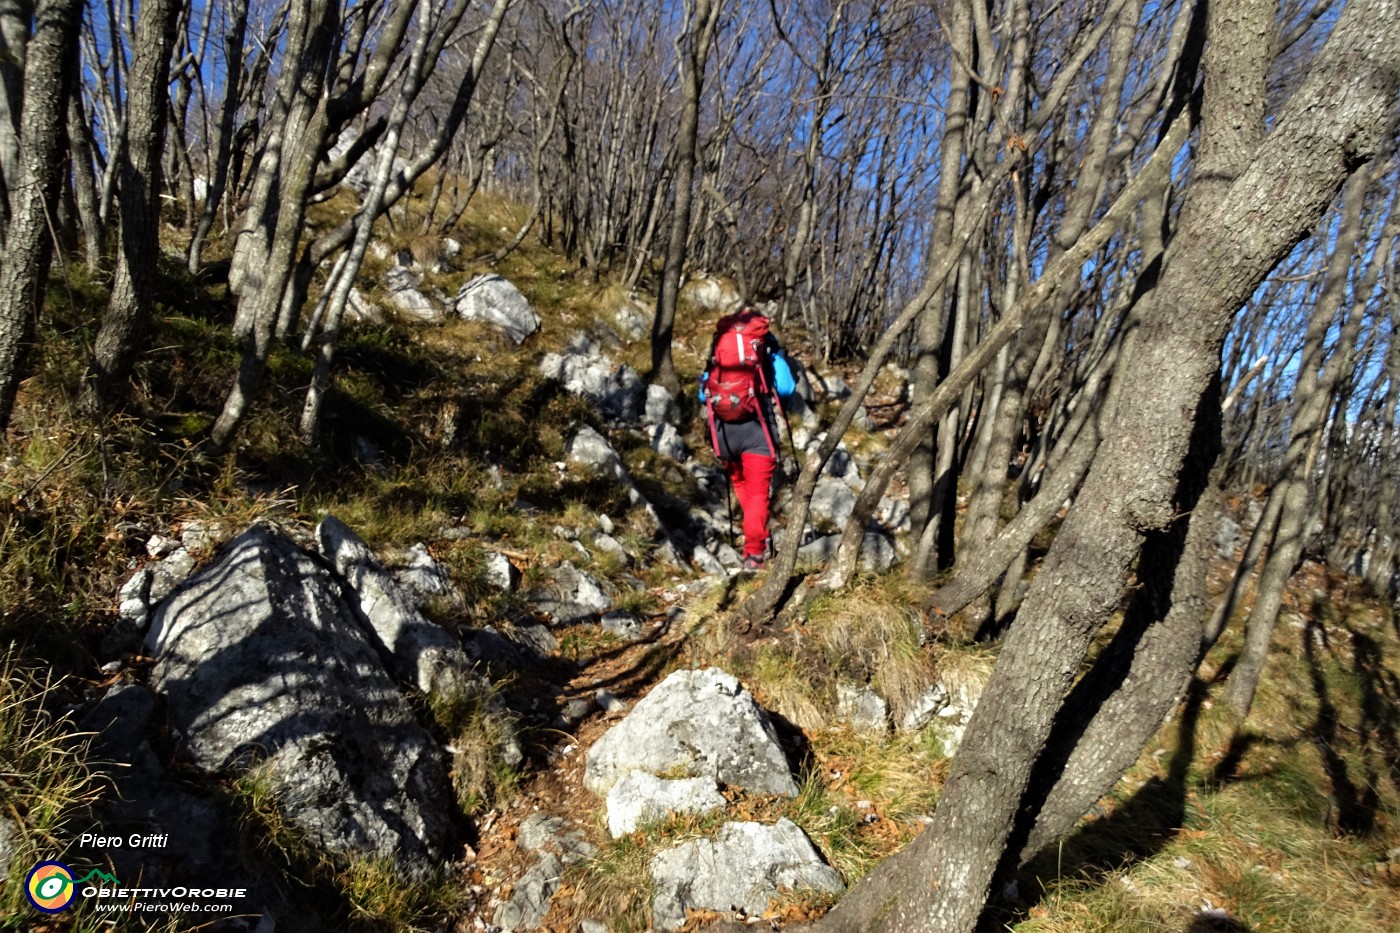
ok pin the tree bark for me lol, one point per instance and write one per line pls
(695, 45)
(133, 289)
(48, 76)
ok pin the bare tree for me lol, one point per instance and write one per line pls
(129, 309)
(48, 74)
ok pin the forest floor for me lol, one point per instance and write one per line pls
(1289, 821)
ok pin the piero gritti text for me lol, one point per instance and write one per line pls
(133, 841)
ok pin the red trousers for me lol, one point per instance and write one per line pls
(752, 476)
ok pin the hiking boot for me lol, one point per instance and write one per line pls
(752, 564)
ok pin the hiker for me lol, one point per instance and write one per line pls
(744, 381)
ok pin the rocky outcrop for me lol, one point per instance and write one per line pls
(739, 871)
(569, 596)
(877, 551)
(406, 295)
(554, 847)
(865, 710)
(645, 798)
(264, 664)
(583, 370)
(418, 652)
(495, 301)
(699, 722)
(592, 451)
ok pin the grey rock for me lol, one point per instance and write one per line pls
(727, 555)
(863, 708)
(515, 646)
(841, 465)
(583, 370)
(361, 310)
(862, 420)
(263, 662)
(667, 441)
(170, 573)
(711, 293)
(877, 551)
(576, 711)
(593, 926)
(622, 625)
(529, 901)
(424, 578)
(418, 652)
(405, 295)
(500, 572)
(360, 178)
(1228, 536)
(537, 830)
(541, 831)
(640, 798)
(10, 840)
(134, 599)
(632, 323)
(700, 721)
(198, 537)
(151, 584)
(660, 406)
(893, 514)
(609, 702)
(494, 300)
(610, 545)
(742, 869)
(593, 451)
(832, 503)
(143, 795)
(833, 386)
(707, 562)
(922, 712)
(161, 546)
(570, 596)
(819, 550)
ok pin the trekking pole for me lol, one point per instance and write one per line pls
(782, 413)
(729, 511)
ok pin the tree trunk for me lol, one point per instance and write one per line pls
(1313, 396)
(234, 31)
(84, 183)
(700, 29)
(14, 40)
(927, 371)
(49, 70)
(286, 177)
(133, 290)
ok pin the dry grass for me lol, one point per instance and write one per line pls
(45, 781)
(1282, 823)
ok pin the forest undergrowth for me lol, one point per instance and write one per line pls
(1289, 821)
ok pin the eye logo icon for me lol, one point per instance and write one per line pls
(50, 887)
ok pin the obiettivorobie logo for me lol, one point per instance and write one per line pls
(51, 886)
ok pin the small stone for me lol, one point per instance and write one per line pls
(622, 625)
(160, 546)
(610, 703)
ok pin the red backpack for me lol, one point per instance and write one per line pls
(735, 380)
